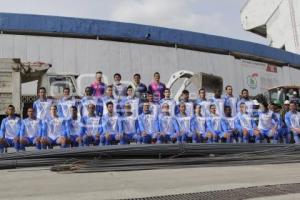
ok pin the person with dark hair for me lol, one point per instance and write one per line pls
(214, 128)
(110, 125)
(109, 97)
(280, 124)
(292, 120)
(228, 124)
(130, 99)
(198, 123)
(75, 128)
(42, 105)
(167, 99)
(230, 100)
(54, 130)
(185, 98)
(184, 123)
(31, 131)
(139, 89)
(119, 88)
(65, 103)
(148, 125)
(89, 99)
(168, 127)
(154, 106)
(92, 127)
(218, 102)
(203, 102)
(267, 124)
(247, 101)
(245, 124)
(10, 130)
(157, 88)
(98, 87)
(129, 128)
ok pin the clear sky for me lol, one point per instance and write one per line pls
(217, 17)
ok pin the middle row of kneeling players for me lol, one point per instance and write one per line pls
(149, 128)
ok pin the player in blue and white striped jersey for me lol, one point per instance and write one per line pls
(129, 128)
(10, 130)
(167, 99)
(198, 124)
(91, 127)
(31, 130)
(89, 99)
(110, 125)
(168, 127)
(42, 106)
(203, 102)
(246, 125)
(267, 123)
(184, 123)
(65, 103)
(74, 127)
(148, 124)
(54, 130)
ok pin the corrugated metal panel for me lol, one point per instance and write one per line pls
(132, 32)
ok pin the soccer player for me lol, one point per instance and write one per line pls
(128, 126)
(119, 88)
(168, 128)
(218, 102)
(157, 88)
(10, 130)
(267, 124)
(148, 124)
(230, 100)
(54, 130)
(185, 98)
(139, 89)
(199, 124)
(42, 106)
(74, 127)
(246, 125)
(130, 99)
(281, 128)
(203, 102)
(228, 124)
(31, 131)
(89, 99)
(214, 129)
(167, 99)
(92, 127)
(98, 87)
(292, 120)
(184, 126)
(109, 97)
(246, 100)
(110, 125)
(154, 106)
(65, 104)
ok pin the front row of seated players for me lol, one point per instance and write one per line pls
(147, 128)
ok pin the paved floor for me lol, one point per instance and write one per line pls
(43, 184)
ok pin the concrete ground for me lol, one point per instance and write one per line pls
(40, 183)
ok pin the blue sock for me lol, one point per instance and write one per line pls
(22, 147)
(257, 139)
(1, 148)
(245, 139)
(210, 140)
(38, 146)
(296, 138)
(17, 146)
